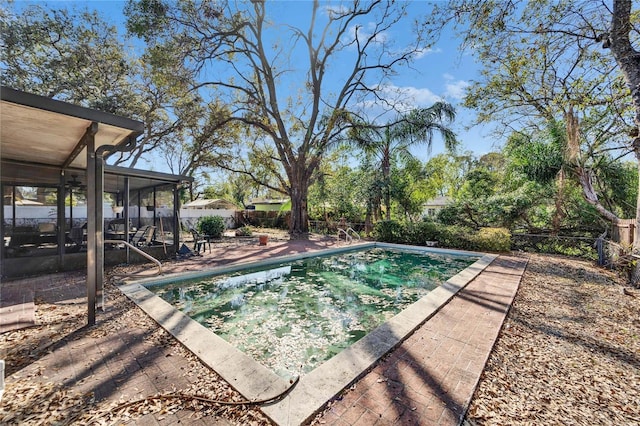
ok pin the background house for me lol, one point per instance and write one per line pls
(433, 206)
(190, 212)
(210, 203)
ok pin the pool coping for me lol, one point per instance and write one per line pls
(255, 381)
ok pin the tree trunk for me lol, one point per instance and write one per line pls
(368, 226)
(558, 214)
(629, 61)
(386, 176)
(299, 224)
(590, 194)
(584, 175)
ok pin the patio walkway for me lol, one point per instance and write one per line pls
(17, 309)
(429, 379)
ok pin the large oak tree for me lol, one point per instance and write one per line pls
(291, 82)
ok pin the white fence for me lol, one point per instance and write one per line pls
(33, 215)
(189, 217)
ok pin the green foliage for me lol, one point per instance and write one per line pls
(146, 17)
(339, 191)
(619, 183)
(539, 77)
(538, 160)
(492, 239)
(448, 236)
(244, 231)
(408, 191)
(456, 236)
(389, 231)
(418, 233)
(479, 182)
(76, 57)
(211, 225)
(391, 144)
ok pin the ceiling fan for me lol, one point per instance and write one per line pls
(75, 183)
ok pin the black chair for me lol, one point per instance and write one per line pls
(199, 241)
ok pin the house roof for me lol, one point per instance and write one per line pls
(438, 202)
(215, 203)
(269, 200)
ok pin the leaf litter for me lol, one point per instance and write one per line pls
(568, 353)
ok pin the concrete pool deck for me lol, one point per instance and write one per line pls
(427, 379)
(256, 382)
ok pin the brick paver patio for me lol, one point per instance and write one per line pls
(429, 379)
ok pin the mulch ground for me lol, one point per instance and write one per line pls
(569, 353)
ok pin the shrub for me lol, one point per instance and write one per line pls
(451, 236)
(244, 231)
(455, 236)
(421, 232)
(389, 231)
(211, 225)
(492, 239)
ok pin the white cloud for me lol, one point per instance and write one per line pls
(421, 53)
(364, 32)
(403, 98)
(416, 96)
(455, 89)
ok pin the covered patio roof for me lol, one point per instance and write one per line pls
(48, 142)
(24, 173)
(39, 130)
(40, 136)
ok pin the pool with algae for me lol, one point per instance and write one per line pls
(292, 317)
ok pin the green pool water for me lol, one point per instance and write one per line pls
(292, 317)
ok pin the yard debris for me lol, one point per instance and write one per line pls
(569, 351)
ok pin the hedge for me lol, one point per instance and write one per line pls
(448, 236)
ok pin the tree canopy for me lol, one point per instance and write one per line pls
(291, 85)
(550, 68)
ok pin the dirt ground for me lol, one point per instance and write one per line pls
(569, 353)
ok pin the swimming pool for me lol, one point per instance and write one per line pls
(255, 381)
(298, 314)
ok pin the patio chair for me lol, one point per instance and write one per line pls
(47, 228)
(199, 241)
(144, 236)
(76, 234)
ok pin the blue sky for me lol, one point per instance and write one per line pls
(440, 73)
